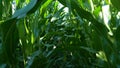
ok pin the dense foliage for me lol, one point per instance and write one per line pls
(59, 34)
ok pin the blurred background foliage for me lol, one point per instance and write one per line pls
(59, 34)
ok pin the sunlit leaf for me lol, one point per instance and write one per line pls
(27, 9)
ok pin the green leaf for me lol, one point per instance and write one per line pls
(10, 39)
(30, 8)
(36, 53)
(117, 36)
(1, 6)
(116, 3)
(99, 27)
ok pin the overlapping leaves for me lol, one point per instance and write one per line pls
(41, 34)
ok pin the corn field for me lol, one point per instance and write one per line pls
(59, 34)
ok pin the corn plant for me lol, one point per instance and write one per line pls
(59, 34)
